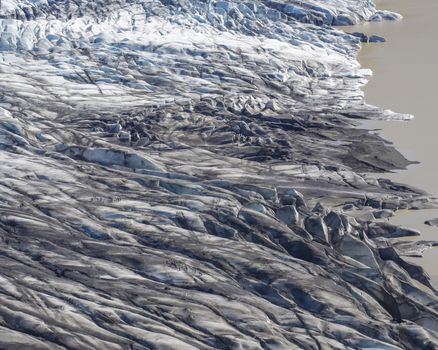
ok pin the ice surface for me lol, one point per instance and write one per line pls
(148, 150)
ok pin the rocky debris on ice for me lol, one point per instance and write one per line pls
(432, 222)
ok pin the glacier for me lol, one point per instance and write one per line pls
(193, 175)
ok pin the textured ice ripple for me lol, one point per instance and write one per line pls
(187, 175)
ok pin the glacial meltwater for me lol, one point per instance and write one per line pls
(405, 76)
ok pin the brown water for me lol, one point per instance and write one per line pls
(406, 80)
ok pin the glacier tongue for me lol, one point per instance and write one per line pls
(190, 175)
